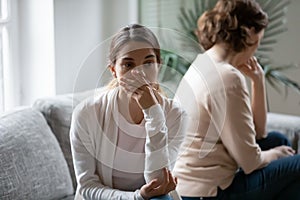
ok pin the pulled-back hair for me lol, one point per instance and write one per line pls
(229, 22)
(133, 32)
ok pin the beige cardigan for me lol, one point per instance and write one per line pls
(93, 135)
(220, 135)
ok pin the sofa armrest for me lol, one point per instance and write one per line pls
(289, 125)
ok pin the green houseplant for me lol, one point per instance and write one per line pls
(276, 10)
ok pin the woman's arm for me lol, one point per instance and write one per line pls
(156, 147)
(238, 135)
(254, 71)
(259, 108)
(83, 152)
(177, 125)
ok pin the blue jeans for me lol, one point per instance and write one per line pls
(278, 180)
(163, 197)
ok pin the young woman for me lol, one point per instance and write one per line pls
(227, 153)
(126, 139)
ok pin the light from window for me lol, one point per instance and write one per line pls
(3, 61)
(4, 10)
(4, 45)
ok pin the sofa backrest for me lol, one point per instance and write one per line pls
(32, 165)
(288, 125)
(58, 113)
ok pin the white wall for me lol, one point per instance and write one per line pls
(76, 27)
(288, 51)
(36, 49)
(80, 26)
(11, 76)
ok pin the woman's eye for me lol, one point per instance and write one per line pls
(128, 65)
(150, 63)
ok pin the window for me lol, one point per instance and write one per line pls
(4, 46)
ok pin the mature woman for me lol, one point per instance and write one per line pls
(227, 153)
(126, 139)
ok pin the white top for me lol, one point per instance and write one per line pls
(94, 139)
(130, 154)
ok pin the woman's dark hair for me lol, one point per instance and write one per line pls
(229, 22)
(134, 32)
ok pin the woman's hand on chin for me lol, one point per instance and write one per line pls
(253, 70)
(140, 89)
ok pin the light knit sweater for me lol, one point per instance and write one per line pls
(220, 134)
(94, 133)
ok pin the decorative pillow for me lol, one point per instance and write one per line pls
(58, 113)
(32, 165)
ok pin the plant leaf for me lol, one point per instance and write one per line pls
(265, 49)
(269, 34)
(263, 3)
(273, 84)
(279, 15)
(268, 42)
(277, 10)
(280, 6)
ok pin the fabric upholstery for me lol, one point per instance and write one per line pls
(32, 165)
(58, 112)
(286, 124)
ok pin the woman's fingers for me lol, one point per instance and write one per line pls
(172, 182)
(152, 185)
(290, 151)
(285, 151)
(131, 82)
(156, 188)
(252, 69)
(140, 76)
(128, 87)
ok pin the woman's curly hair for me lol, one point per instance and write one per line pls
(229, 22)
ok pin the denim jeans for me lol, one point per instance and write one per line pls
(163, 197)
(278, 180)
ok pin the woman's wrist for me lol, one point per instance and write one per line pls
(142, 196)
(258, 82)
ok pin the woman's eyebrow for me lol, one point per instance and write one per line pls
(127, 58)
(149, 56)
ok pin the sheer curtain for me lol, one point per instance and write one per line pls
(4, 47)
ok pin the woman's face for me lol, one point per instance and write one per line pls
(139, 56)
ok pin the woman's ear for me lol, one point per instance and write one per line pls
(113, 71)
(160, 62)
(252, 36)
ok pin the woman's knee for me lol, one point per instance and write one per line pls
(273, 139)
(279, 138)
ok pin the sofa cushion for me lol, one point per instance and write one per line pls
(288, 125)
(32, 165)
(58, 113)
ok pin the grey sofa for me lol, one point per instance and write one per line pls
(35, 155)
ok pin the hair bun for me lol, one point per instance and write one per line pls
(227, 22)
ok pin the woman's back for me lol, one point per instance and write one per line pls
(207, 92)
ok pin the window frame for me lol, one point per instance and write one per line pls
(4, 46)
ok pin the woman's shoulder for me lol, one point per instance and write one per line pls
(231, 75)
(214, 75)
(94, 103)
